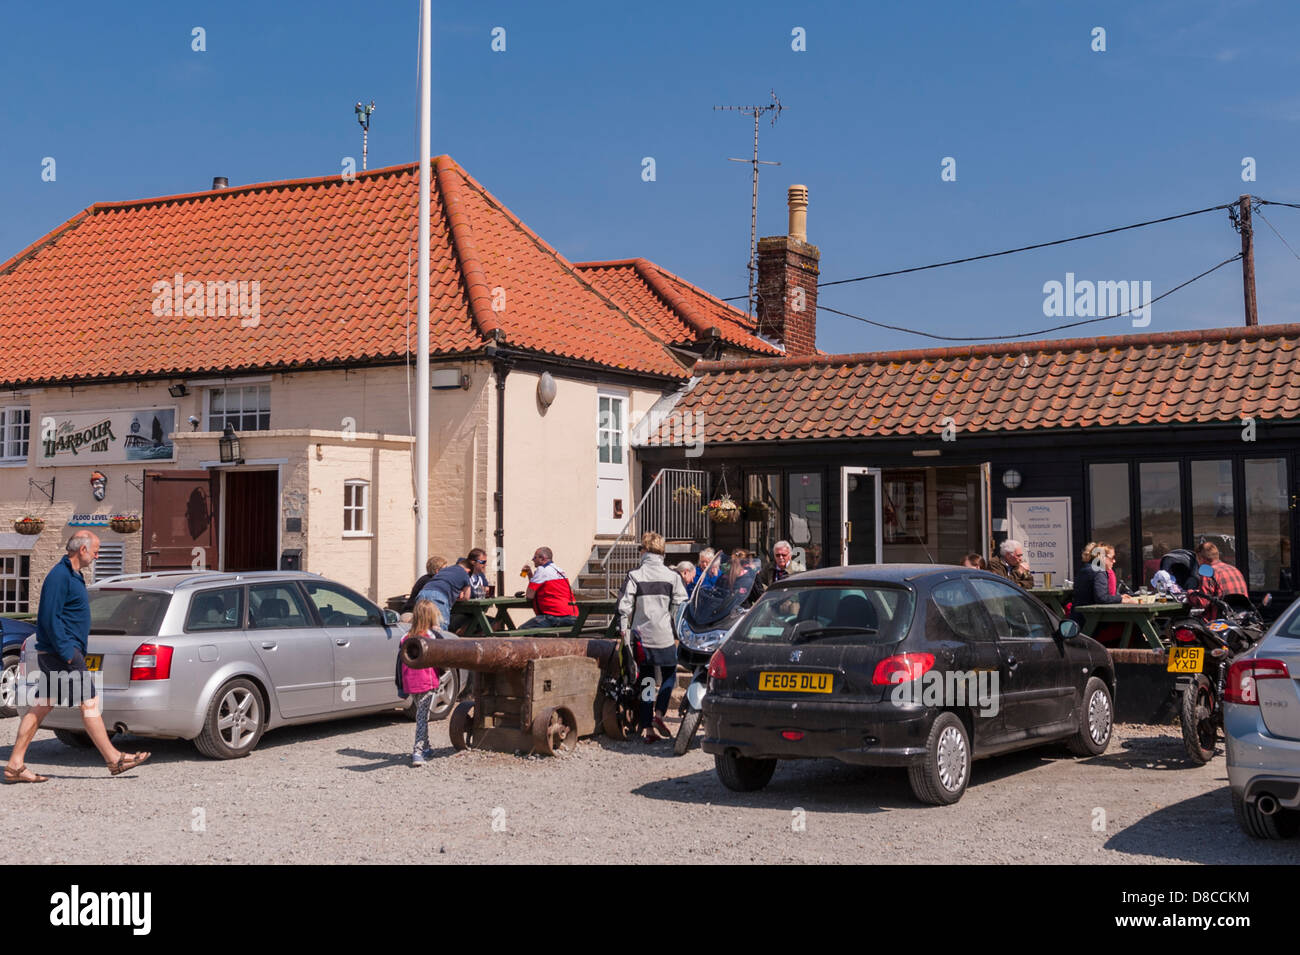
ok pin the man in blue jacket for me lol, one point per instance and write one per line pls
(62, 628)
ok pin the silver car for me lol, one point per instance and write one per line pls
(220, 658)
(1261, 723)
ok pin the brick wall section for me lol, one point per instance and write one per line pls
(785, 265)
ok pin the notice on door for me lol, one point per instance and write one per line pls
(1042, 525)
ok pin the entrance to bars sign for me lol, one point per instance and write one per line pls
(1042, 525)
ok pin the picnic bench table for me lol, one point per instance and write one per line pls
(1139, 617)
(499, 625)
(1055, 597)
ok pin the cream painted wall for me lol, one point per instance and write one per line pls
(550, 470)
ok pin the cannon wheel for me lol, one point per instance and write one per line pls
(618, 722)
(555, 731)
(461, 726)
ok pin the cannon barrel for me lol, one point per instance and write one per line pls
(499, 654)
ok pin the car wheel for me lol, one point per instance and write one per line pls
(743, 774)
(445, 697)
(1197, 720)
(1096, 720)
(686, 731)
(234, 722)
(9, 686)
(1283, 824)
(941, 777)
(78, 740)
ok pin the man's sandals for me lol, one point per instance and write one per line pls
(21, 774)
(127, 761)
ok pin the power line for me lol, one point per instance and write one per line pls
(1260, 213)
(1041, 331)
(1023, 248)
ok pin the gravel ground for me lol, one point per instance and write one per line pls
(343, 792)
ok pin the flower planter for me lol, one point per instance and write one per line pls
(124, 525)
(757, 511)
(29, 525)
(722, 511)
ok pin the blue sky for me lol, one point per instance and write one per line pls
(1050, 137)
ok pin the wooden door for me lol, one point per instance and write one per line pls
(179, 523)
(252, 503)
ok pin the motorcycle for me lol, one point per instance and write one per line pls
(721, 597)
(1202, 646)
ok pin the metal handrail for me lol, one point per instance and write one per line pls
(673, 518)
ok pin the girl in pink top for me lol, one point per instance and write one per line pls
(421, 683)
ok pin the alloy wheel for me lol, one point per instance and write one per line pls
(239, 717)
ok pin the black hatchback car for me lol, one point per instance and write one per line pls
(927, 667)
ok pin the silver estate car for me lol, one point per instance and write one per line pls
(1261, 723)
(220, 658)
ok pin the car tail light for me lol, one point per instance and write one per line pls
(1242, 675)
(151, 661)
(793, 735)
(718, 666)
(1183, 635)
(901, 668)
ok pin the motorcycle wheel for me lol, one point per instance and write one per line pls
(686, 731)
(1197, 718)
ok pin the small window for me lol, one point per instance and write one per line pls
(356, 512)
(15, 577)
(15, 432)
(221, 609)
(244, 408)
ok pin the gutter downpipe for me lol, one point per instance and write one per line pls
(500, 368)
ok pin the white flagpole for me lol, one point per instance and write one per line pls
(422, 339)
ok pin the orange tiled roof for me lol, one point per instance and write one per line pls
(677, 311)
(1217, 375)
(334, 263)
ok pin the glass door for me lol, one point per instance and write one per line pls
(860, 525)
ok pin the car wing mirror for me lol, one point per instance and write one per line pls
(390, 618)
(1067, 629)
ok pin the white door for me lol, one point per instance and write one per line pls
(860, 530)
(612, 486)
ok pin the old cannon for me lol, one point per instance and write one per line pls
(532, 695)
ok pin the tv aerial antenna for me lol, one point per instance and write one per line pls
(363, 117)
(774, 108)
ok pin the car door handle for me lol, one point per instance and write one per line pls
(1012, 662)
(341, 643)
(268, 644)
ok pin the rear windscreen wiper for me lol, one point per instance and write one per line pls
(804, 636)
(107, 632)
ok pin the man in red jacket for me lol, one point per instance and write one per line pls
(549, 593)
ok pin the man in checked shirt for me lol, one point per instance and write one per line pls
(1226, 580)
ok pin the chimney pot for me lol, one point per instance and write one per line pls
(220, 182)
(797, 199)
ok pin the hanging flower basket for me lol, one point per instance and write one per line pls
(124, 523)
(757, 510)
(722, 510)
(29, 525)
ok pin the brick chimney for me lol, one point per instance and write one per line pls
(787, 282)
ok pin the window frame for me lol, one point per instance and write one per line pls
(363, 508)
(21, 604)
(6, 425)
(241, 389)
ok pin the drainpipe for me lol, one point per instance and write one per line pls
(501, 368)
